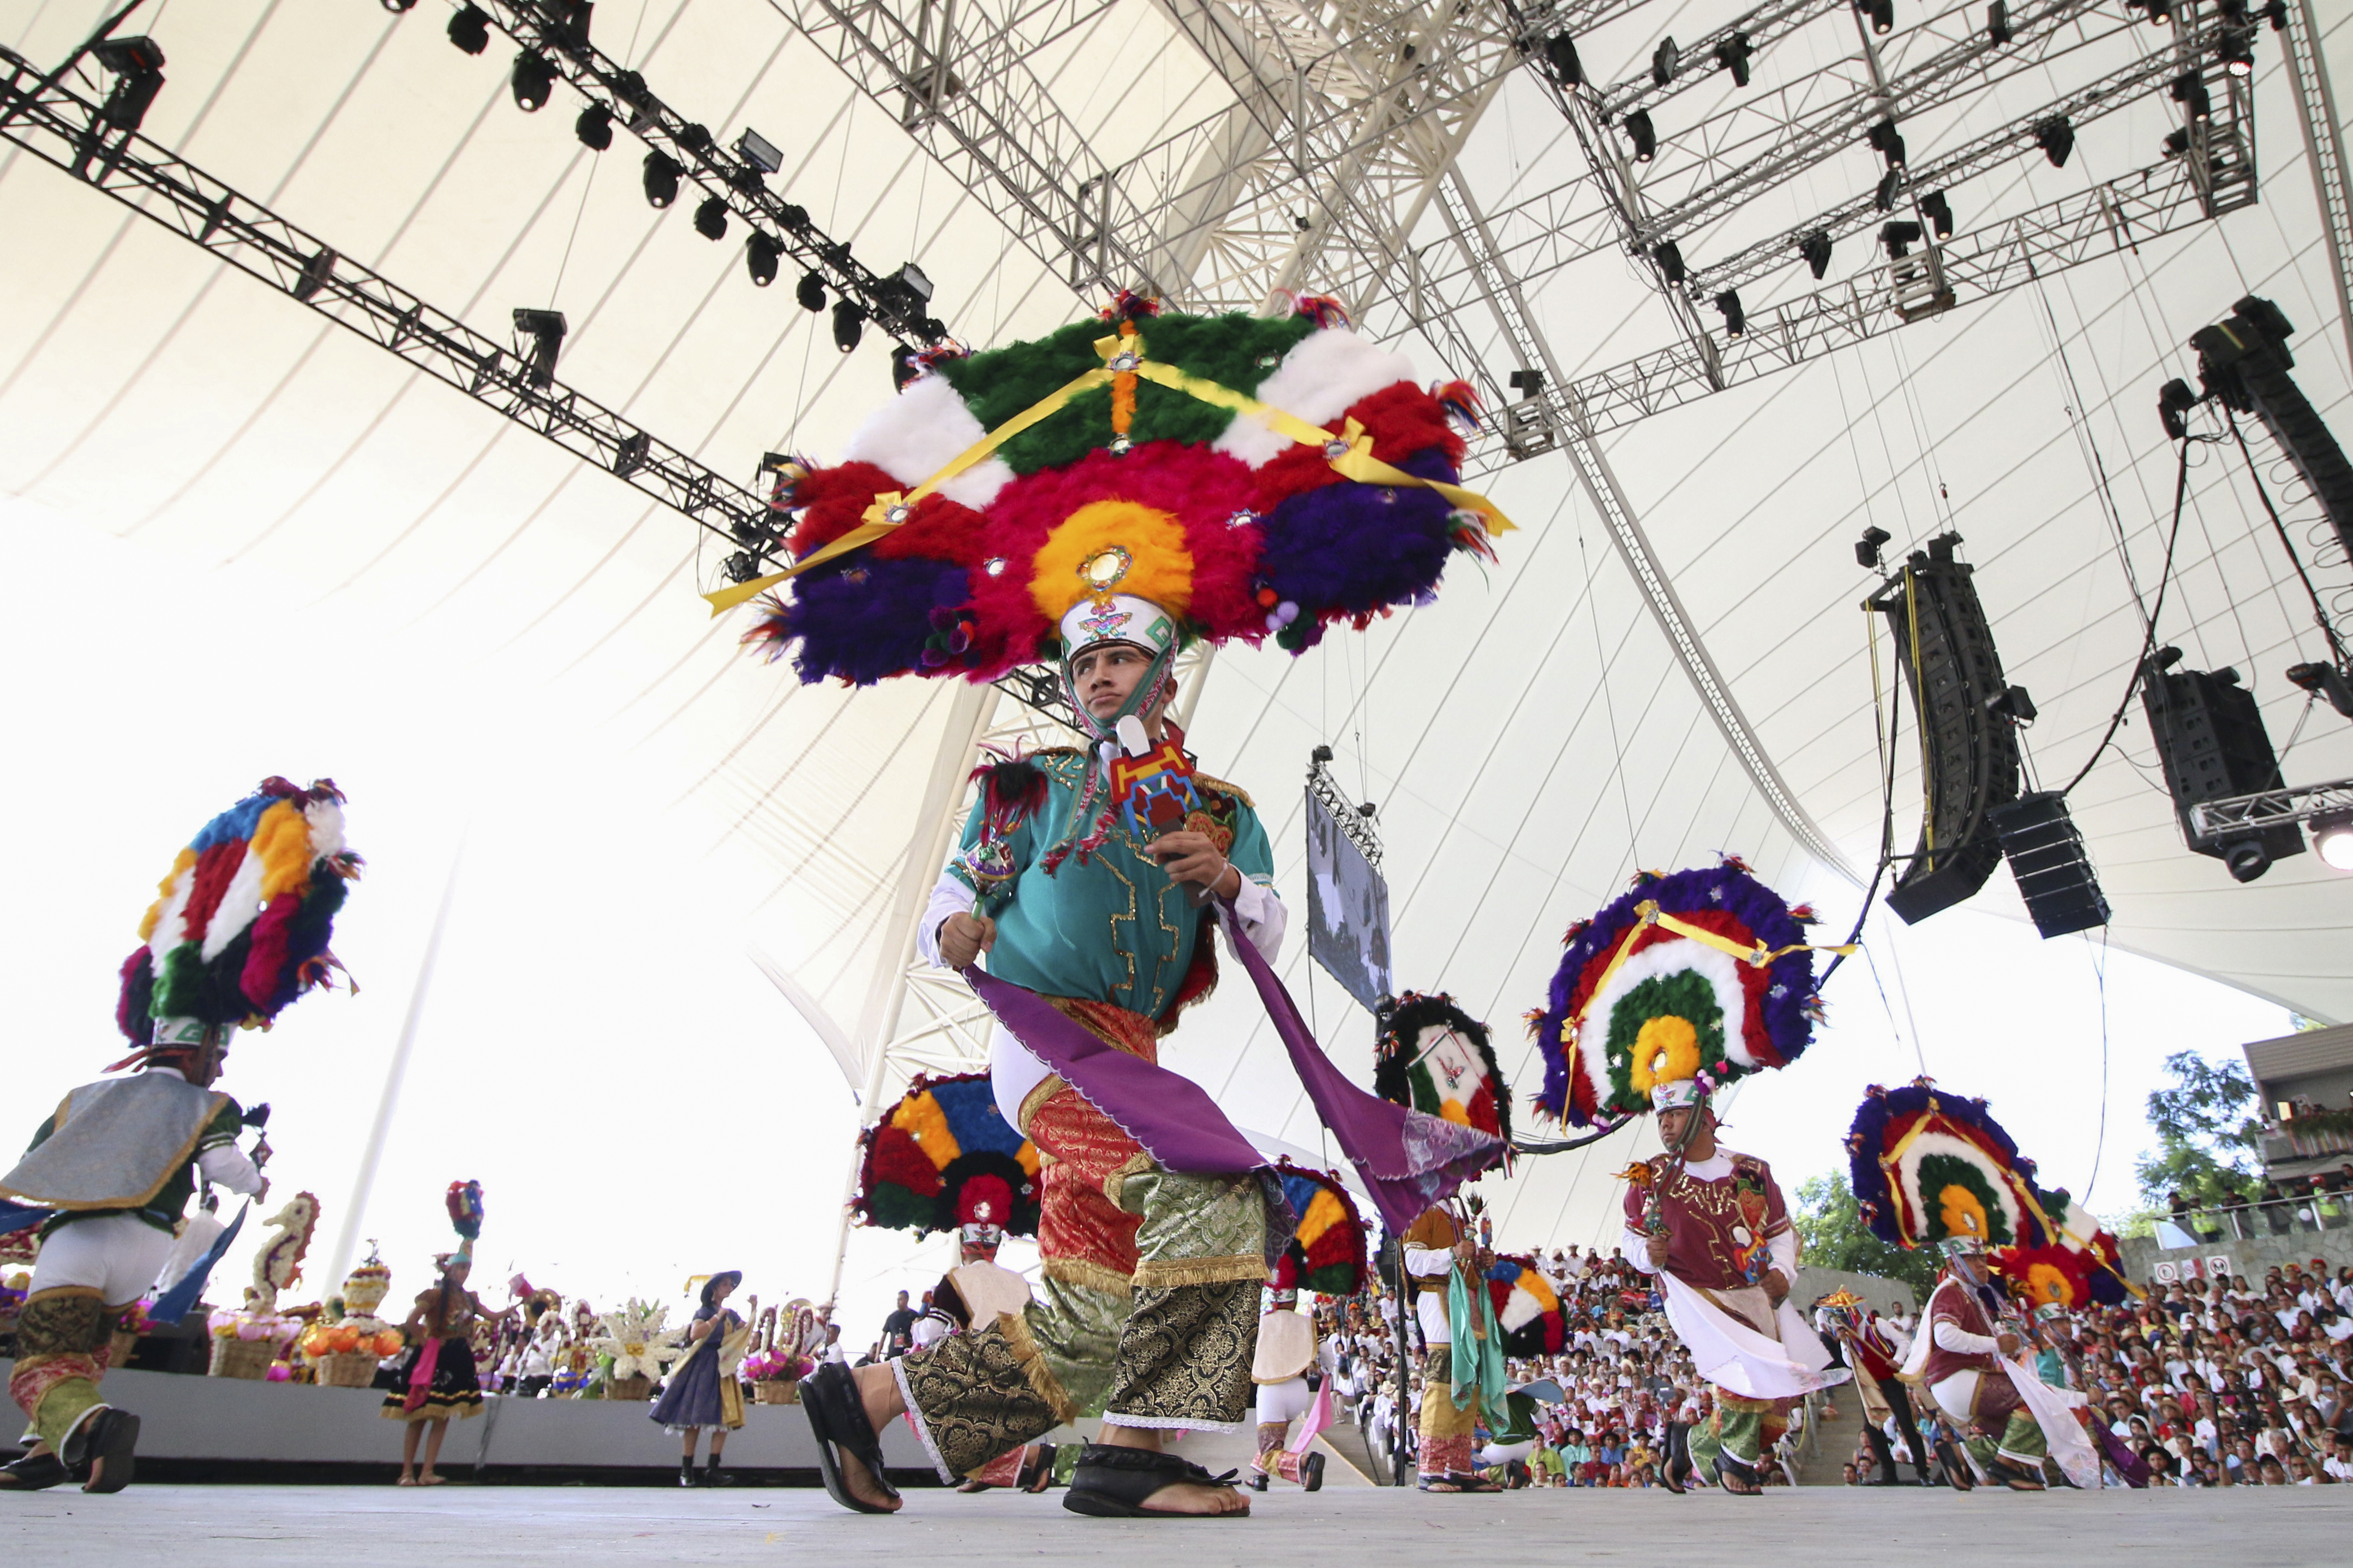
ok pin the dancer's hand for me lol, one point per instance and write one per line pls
(1777, 1286)
(1192, 857)
(964, 937)
(1655, 1248)
(2007, 1344)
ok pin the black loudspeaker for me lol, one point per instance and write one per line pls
(2209, 736)
(2046, 856)
(1970, 754)
(2244, 360)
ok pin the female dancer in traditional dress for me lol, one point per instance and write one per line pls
(435, 1378)
(702, 1395)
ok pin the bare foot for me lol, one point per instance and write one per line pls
(1186, 1497)
(878, 1391)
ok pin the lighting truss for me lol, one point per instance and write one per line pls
(60, 127)
(1354, 825)
(2243, 813)
(547, 30)
(2324, 143)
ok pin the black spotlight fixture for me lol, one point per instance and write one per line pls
(849, 324)
(810, 292)
(1866, 549)
(1734, 55)
(2324, 681)
(2174, 402)
(138, 67)
(662, 178)
(1939, 210)
(2332, 836)
(400, 7)
(760, 255)
(2236, 50)
(2189, 92)
(1645, 139)
(594, 128)
(1970, 763)
(1560, 53)
(2046, 857)
(470, 29)
(2056, 137)
(2275, 13)
(1663, 61)
(1891, 186)
(710, 217)
(545, 328)
(1815, 248)
(532, 80)
(1735, 320)
(1881, 13)
(1997, 26)
(1888, 143)
(1669, 258)
(903, 366)
(2212, 742)
(1899, 238)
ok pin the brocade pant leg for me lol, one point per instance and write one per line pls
(1446, 1428)
(63, 1338)
(1184, 1350)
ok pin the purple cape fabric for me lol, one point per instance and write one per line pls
(1408, 1159)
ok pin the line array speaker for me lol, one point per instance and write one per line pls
(2210, 738)
(2046, 856)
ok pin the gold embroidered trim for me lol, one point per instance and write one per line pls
(1033, 1366)
(1088, 1275)
(1134, 1164)
(187, 1152)
(1202, 780)
(1157, 1274)
(1048, 1087)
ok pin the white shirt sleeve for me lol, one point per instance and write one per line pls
(950, 896)
(1263, 917)
(225, 1165)
(1783, 1250)
(1636, 1248)
(1959, 1340)
(1426, 1261)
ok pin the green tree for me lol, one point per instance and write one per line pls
(2210, 1140)
(1830, 1222)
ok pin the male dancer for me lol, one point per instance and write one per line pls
(1876, 1359)
(1712, 1226)
(1436, 1246)
(1286, 1352)
(1961, 1332)
(118, 1161)
(1151, 1276)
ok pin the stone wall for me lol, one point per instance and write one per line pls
(1881, 1293)
(2144, 1260)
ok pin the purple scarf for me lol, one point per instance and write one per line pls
(1409, 1160)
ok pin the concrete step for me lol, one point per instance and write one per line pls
(1835, 1442)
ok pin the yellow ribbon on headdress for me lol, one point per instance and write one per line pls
(1350, 455)
(1647, 913)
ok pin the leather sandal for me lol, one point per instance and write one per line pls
(837, 1418)
(32, 1473)
(1311, 1472)
(1111, 1483)
(1957, 1474)
(2014, 1475)
(1040, 1474)
(1738, 1479)
(100, 1449)
(1672, 1478)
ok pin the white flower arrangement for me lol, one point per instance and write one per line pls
(637, 1340)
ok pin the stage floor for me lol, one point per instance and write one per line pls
(301, 1527)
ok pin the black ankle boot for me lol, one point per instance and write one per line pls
(711, 1476)
(686, 1472)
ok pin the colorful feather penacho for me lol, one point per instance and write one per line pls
(464, 1204)
(1328, 1248)
(1432, 1057)
(1637, 1002)
(1273, 541)
(944, 1136)
(241, 923)
(1527, 1308)
(1928, 1166)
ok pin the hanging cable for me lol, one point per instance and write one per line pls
(2148, 636)
(2319, 613)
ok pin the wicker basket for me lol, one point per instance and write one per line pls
(349, 1370)
(630, 1388)
(119, 1355)
(780, 1391)
(243, 1358)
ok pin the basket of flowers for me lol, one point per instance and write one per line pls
(247, 1343)
(775, 1376)
(638, 1346)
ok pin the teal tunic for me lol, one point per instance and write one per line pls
(1116, 928)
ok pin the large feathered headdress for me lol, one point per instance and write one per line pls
(1928, 1166)
(1694, 979)
(1431, 1056)
(945, 1157)
(1327, 1250)
(1150, 479)
(240, 925)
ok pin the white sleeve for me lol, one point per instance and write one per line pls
(950, 896)
(1426, 1261)
(225, 1165)
(1636, 1248)
(1783, 1250)
(1951, 1336)
(1263, 916)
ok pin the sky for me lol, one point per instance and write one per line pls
(594, 1045)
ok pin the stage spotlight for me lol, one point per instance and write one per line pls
(2190, 93)
(1899, 238)
(1645, 139)
(532, 80)
(630, 455)
(138, 67)
(760, 255)
(1998, 21)
(1888, 143)
(2236, 50)
(1663, 60)
(1938, 211)
(2275, 13)
(1891, 185)
(400, 7)
(2057, 139)
(2332, 836)
(1669, 258)
(810, 292)
(1815, 248)
(849, 324)
(1560, 53)
(1735, 320)
(2324, 681)
(594, 128)
(1732, 55)
(545, 328)
(470, 29)
(1880, 12)
(2212, 743)
(759, 151)
(710, 218)
(1866, 549)
(662, 178)
(2175, 400)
